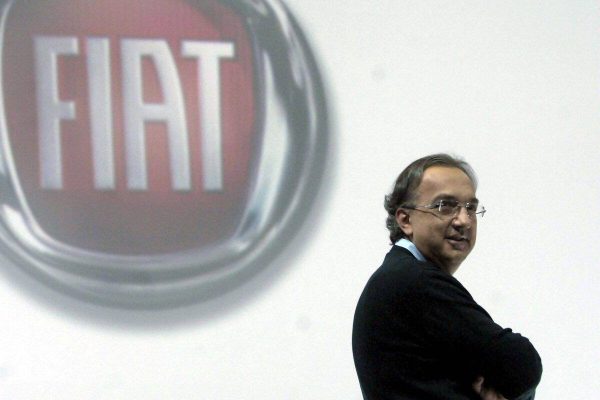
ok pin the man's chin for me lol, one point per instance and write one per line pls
(454, 259)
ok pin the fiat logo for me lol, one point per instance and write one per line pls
(153, 152)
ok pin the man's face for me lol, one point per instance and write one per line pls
(444, 240)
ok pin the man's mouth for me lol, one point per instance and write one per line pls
(458, 242)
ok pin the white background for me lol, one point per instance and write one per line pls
(512, 86)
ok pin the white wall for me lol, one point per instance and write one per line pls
(513, 86)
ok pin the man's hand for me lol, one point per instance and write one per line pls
(484, 392)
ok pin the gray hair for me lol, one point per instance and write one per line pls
(407, 182)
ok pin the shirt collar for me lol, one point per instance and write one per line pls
(410, 246)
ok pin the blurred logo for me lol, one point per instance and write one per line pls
(154, 152)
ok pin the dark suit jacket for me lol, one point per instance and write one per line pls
(418, 334)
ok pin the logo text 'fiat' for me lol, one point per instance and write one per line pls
(150, 149)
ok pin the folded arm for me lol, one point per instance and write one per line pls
(508, 362)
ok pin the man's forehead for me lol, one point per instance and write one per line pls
(446, 180)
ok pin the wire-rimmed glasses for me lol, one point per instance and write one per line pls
(451, 208)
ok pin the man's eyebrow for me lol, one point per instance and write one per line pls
(444, 196)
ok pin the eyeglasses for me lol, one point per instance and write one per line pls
(451, 208)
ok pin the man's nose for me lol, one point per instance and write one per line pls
(462, 218)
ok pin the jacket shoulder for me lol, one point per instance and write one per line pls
(399, 271)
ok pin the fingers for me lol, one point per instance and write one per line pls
(477, 385)
(486, 393)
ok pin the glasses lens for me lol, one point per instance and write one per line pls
(452, 208)
(471, 208)
(448, 207)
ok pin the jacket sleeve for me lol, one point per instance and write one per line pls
(454, 323)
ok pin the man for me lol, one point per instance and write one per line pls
(418, 333)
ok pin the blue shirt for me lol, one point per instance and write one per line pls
(410, 246)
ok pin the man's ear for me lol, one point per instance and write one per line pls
(403, 220)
